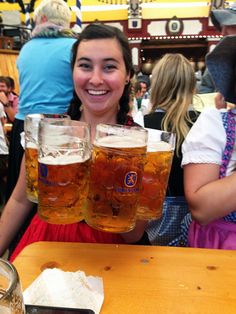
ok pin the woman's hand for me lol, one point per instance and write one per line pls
(220, 102)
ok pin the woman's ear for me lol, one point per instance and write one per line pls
(127, 79)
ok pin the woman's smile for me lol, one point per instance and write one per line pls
(94, 92)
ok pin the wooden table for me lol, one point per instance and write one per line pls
(143, 279)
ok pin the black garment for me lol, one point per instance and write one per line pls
(16, 152)
(175, 184)
(144, 240)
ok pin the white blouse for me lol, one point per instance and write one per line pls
(3, 144)
(205, 142)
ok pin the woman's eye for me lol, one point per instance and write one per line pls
(110, 67)
(84, 65)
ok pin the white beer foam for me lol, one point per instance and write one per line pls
(154, 135)
(62, 160)
(31, 145)
(158, 147)
(114, 141)
(155, 142)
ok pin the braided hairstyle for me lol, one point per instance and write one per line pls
(101, 31)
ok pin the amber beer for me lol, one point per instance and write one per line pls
(31, 164)
(64, 162)
(155, 177)
(31, 150)
(115, 181)
(63, 188)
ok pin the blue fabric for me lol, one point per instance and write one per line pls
(166, 230)
(51, 62)
(229, 125)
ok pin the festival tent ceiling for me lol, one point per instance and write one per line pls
(113, 10)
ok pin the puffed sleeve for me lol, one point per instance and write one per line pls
(206, 140)
(2, 113)
(22, 139)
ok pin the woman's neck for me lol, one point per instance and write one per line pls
(94, 120)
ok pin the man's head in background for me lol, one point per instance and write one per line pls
(225, 20)
(5, 85)
(144, 83)
(221, 63)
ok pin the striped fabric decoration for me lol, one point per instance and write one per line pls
(77, 10)
(27, 17)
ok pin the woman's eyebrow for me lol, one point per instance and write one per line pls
(83, 59)
(111, 59)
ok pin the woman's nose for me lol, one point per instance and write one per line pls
(96, 77)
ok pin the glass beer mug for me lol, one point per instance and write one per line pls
(31, 151)
(11, 298)
(64, 161)
(115, 177)
(160, 151)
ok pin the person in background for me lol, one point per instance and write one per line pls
(225, 21)
(138, 103)
(138, 94)
(145, 85)
(209, 160)
(12, 82)
(46, 84)
(8, 99)
(102, 87)
(172, 89)
(144, 88)
(3, 156)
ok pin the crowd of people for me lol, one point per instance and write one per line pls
(81, 77)
(8, 110)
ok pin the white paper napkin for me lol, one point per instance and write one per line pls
(54, 287)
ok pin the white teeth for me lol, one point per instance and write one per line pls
(97, 92)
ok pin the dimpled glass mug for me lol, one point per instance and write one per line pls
(160, 151)
(64, 162)
(11, 297)
(31, 126)
(115, 177)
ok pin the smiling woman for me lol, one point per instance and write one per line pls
(102, 68)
